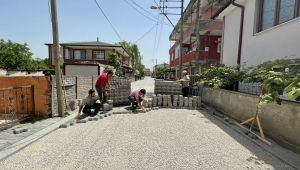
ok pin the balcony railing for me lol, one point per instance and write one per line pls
(205, 25)
(85, 61)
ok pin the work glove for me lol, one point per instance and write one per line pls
(143, 109)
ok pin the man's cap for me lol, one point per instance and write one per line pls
(184, 72)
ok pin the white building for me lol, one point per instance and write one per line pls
(259, 30)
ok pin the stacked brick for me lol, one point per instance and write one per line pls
(121, 90)
(174, 101)
(167, 87)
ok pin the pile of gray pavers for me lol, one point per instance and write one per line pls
(167, 87)
(120, 91)
(156, 102)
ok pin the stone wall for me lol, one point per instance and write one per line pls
(279, 122)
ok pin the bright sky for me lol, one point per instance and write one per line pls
(81, 20)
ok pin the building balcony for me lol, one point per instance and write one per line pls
(85, 61)
(190, 58)
(213, 26)
(125, 65)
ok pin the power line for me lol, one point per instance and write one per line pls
(144, 9)
(159, 39)
(141, 12)
(146, 33)
(108, 20)
(49, 10)
(155, 41)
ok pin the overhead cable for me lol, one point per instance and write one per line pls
(142, 13)
(108, 20)
(146, 33)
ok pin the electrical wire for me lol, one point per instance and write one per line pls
(108, 20)
(159, 39)
(141, 12)
(154, 42)
(49, 10)
(146, 33)
(144, 9)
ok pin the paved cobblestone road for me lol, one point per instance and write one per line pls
(160, 139)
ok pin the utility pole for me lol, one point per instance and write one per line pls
(181, 39)
(56, 59)
(197, 25)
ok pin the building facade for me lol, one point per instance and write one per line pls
(267, 31)
(80, 56)
(210, 38)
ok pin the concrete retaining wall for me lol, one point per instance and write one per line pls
(279, 122)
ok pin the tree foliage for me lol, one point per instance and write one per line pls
(115, 61)
(221, 76)
(15, 56)
(160, 72)
(136, 56)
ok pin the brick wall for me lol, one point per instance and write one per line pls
(70, 92)
(41, 92)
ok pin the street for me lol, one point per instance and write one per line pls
(159, 139)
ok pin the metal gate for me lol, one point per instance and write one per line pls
(16, 104)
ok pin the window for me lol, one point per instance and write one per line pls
(275, 12)
(79, 54)
(67, 53)
(98, 55)
(172, 57)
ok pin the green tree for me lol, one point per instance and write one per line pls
(15, 56)
(115, 61)
(160, 72)
(136, 56)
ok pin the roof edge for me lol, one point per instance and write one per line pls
(216, 14)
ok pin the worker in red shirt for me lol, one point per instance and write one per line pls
(100, 85)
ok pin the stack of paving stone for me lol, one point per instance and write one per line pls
(122, 89)
(199, 101)
(167, 87)
(169, 100)
(195, 104)
(175, 100)
(165, 100)
(180, 101)
(149, 103)
(159, 100)
(190, 102)
(110, 102)
(186, 102)
(154, 100)
(145, 103)
(105, 107)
